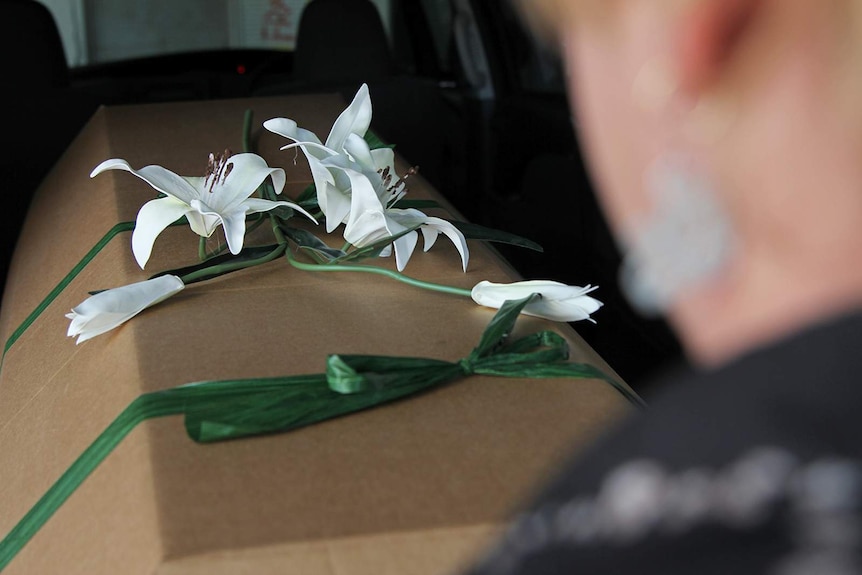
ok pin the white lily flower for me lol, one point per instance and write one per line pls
(355, 185)
(333, 196)
(371, 221)
(108, 309)
(221, 197)
(558, 301)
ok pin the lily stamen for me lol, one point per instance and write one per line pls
(403, 179)
(399, 189)
(218, 168)
(385, 175)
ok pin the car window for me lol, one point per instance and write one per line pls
(103, 31)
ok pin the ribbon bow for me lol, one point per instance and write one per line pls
(220, 410)
(355, 382)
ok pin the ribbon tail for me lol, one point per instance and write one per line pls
(58, 289)
(223, 410)
(350, 374)
(144, 407)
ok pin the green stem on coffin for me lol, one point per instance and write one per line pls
(231, 266)
(247, 119)
(141, 409)
(222, 410)
(202, 273)
(379, 271)
(202, 249)
(67, 279)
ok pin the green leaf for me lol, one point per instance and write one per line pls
(308, 241)
(477, 232)
(359, 254)
(374, 142)
(308, 195)
(267, 191)
(500, 326)
(247, 254)
(283, 213)
(372, 250)
(52, 295)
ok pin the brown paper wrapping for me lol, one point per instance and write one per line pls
(414, 487)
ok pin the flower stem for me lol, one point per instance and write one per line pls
(221, 269)
(202, 248)
(380, 271)
(276, 231)
(246, 130)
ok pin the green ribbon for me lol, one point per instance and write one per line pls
(52, 295)
(231, 409)
(67, 279)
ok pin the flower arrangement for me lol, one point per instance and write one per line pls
(356, 186)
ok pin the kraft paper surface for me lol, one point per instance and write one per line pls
(369, 493)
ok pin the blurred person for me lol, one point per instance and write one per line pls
(725, 141)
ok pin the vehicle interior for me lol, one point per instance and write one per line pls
(460, 87)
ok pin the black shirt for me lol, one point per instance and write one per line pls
(753, 468)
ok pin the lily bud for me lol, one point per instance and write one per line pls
(556, 301)
(108, 309)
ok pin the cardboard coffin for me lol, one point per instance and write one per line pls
(416, 486)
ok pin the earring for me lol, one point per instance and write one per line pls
(686, 241)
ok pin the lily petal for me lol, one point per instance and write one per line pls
(383, 158)
(203, 224)
(289, 129)
(161, 179)
(153, 217)
(548, 288)
(358, 149)
(434, 226)
(404, 247)
(206, 217)
(255, 205)
(328, 191)
(330, 197)
(383, 161)
(336, 199)
(108, 309)
(366, 228)
(558, 302)
(577, 309)
(366, 222)
(337, 203)
(431, 227)
(234, 230)
(246, 173)
(355, 119)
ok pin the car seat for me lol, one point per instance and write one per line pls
(43, 113)
(341, 41)
(342, 44)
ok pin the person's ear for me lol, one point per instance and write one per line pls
(709, 32)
